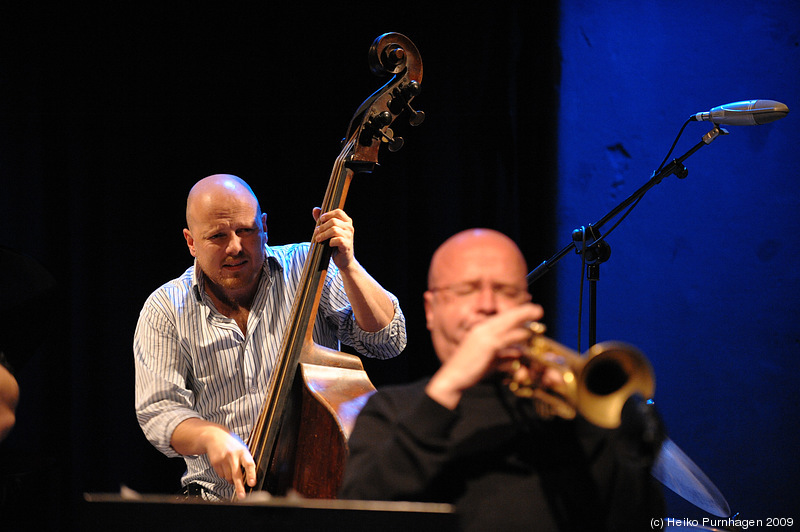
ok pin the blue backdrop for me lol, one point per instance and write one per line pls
(701, 276)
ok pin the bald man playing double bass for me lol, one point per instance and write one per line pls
(462, 437)
(206, 342)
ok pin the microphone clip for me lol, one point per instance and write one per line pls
(679, 169)
(714, 133)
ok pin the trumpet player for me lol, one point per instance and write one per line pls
(462, 437)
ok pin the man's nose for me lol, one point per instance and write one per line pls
(487, 299)
(234, 245)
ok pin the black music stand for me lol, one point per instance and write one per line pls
(156, 513)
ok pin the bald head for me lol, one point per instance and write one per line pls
(473, 275)
(471, 249)
(215, 189)
(227, 235)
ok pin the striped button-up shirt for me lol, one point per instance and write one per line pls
(191, 361)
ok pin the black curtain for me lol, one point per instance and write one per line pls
(109, 115)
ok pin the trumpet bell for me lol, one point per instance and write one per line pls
(596, 385)
(613, 372)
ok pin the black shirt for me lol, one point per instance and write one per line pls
(499, 464)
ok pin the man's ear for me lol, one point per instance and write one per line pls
(428, 301)
(189, 242)
(264, 226)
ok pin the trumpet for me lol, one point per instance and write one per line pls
(595, 385)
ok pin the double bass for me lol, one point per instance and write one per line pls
(299, 442)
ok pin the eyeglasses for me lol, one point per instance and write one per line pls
(471, 290)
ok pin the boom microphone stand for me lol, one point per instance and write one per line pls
(672, 467)
(590, 244)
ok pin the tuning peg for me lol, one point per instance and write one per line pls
(411, 90)
(394, 143)
(374, 129)
(401, 101)
(417, 117)
(387, 137)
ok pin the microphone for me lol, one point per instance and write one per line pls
(745, 113)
